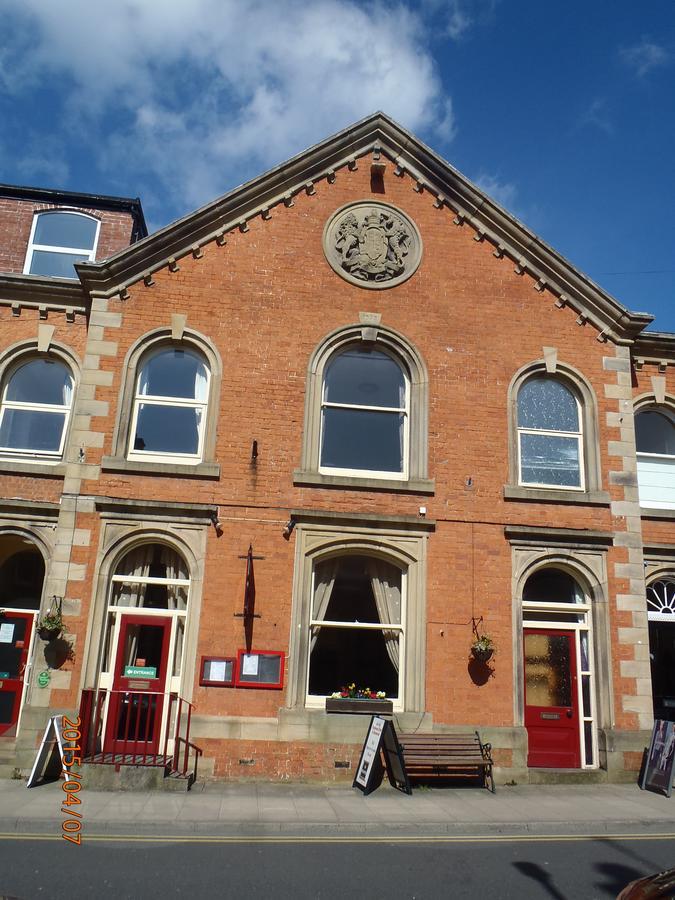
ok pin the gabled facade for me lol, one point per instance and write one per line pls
(330, 429)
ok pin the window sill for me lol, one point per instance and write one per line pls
(409, 486)
(652, 512)
(136, 467)
(550, 495)
(28, 467)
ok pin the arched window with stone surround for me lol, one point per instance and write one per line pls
(366, 412)
(37, 397)
(553, 446)
(655, 444)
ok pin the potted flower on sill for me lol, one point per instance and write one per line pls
(482, 648)
(359, 701)
(50, 625)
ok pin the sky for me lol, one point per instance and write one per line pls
(562, 112)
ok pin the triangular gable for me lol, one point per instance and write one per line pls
(381, 136)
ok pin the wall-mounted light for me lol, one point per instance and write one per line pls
(288, 530)
(215, 521)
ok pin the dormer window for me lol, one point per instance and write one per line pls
(59, 240)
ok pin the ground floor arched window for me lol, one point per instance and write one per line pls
(356, 627)
(661, 614)
(559, 695)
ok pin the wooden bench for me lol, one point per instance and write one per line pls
(456, 755)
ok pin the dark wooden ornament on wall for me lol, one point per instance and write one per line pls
(249, 613)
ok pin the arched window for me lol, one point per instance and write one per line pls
(655, 444)
(36, 403)
(356, 627)
(364, 414)
(58, 240)
(550, 437)
(170, 406)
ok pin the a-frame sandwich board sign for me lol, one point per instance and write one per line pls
(381, 741)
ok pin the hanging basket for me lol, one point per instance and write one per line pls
(49, 634)
(482, 654)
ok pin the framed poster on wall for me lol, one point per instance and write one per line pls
(217, 671)
(260, 668)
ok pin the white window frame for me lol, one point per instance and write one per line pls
(27, 452)
(540, 432)
(154, 400)
(90, 253)
(318, 701)
(387, 410)
(654, 615)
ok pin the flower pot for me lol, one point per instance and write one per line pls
(482, 654)
(359, 706)
(49, 634)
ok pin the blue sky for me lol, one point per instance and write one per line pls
(564, 113)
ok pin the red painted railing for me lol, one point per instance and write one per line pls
(132, 740)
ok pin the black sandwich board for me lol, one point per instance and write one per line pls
(381, 741)
(658, 769)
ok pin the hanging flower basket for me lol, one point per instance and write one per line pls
(482, 648)
(50, 625)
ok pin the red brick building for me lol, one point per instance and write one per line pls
(419, 417)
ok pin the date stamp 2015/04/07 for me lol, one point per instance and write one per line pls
(71, 826)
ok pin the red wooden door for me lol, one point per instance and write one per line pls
(139, 681)
(551, 704)
(15, 633)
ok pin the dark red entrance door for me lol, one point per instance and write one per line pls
(15, 632)
(551, 706)
(139, 680)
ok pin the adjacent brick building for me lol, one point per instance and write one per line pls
(331, 428)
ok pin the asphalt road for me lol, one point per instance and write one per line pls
(369, 867)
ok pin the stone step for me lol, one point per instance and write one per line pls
(567, 776)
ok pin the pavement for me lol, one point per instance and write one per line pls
(320, 810)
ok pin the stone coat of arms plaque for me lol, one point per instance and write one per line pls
(372, 244)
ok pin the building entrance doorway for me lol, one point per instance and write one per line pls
(139, 683)
(15, 636)
(551, 708)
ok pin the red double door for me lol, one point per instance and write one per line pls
(551, 699)
(139, 685)
(15, 634)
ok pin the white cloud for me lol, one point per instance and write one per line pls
(597, 116)
(504, 192)
(645, 56)
(457, 17)
(205, 90)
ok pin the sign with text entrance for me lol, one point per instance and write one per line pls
(381, 741)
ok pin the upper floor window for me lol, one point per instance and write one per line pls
(550, 438)
(364, 414)
(36, 402)
(655, 444)
(170, 405)
(58, 241)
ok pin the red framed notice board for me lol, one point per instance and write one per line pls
(260, 669)
(217, 671)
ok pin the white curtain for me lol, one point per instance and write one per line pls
(67, 392)
(137, 564)
(324, 579)
(201, 383)
(144, 379)
(175, 568)
(385, 580)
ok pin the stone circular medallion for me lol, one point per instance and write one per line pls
(372, 244)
